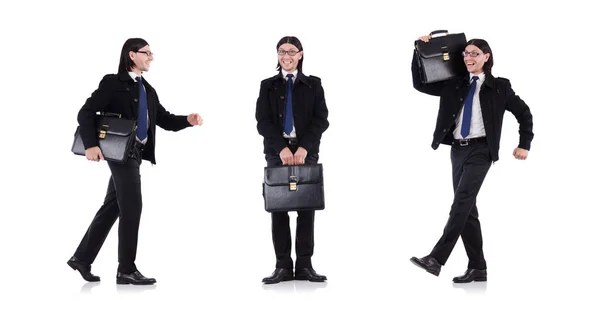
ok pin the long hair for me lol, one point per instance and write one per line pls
(485, 47)
(132, 44)
(295, 42)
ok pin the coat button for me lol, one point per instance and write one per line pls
(280, 115)
(281, 97)
(127, 89)
(444, 130)
(135, 99)
(453, 115)
(461, 99)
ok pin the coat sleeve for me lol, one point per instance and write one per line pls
(98, 101)
(169, 121)
(521, 111)
(270, 130)
(318, 123)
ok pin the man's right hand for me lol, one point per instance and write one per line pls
(425, 38)
(94, 154)
(286, 155)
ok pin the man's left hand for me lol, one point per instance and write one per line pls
(300, 155)
(520, 154)
(195, 119)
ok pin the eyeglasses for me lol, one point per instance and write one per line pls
(472, 54)
(291, 53)
(148, 53)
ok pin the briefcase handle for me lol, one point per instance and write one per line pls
(109, 114)
(438, 33)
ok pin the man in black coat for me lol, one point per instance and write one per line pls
(291, 116)
(130, 95)
(470, 120)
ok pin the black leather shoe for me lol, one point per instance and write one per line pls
(84, 268)
(309, 274)
(134, 278)
(471, 275)
(280, 274)
(430, 264)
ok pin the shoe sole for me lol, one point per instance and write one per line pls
(418, 264)
(284, 279)
(122, 281)
(302, 278)
(481, 279)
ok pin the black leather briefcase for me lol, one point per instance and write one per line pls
(441, 58)
(294, 188)
(116, 137)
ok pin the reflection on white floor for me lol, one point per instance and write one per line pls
(295, 286)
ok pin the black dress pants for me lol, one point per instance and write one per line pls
(280, 228)
(470, 165)
(124, 201)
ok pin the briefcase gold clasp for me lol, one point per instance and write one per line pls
(102, 133)
(445, 54)
(293, 185)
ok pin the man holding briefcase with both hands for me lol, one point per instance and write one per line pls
(291, 115)
(470, 120)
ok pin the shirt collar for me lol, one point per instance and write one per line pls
(285, 73)
(133, 75)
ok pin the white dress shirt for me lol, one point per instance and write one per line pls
(477, 129)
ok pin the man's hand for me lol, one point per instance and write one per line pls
(195, 119)
(300, 155)
(286, 156)
(94, 154)
(520, 154)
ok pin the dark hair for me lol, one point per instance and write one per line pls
(485, 47)
(132, 44)
(293, 41)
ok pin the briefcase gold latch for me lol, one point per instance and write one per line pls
(293, 186)
(102, 133)
(445, 53)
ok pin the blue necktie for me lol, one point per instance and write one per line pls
(289, 115)
(468, 110)
(142, 127)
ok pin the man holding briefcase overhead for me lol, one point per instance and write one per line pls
(131, 96)
(291, 115)
(470, 120)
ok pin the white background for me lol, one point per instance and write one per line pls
(204, 234)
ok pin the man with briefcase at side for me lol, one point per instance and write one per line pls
(129, 95)
(470, 116)
(291, 116)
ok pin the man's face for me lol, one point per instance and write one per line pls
(141, 59)
(475, 59)
(289, 56)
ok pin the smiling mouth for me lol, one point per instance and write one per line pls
(470, 64)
